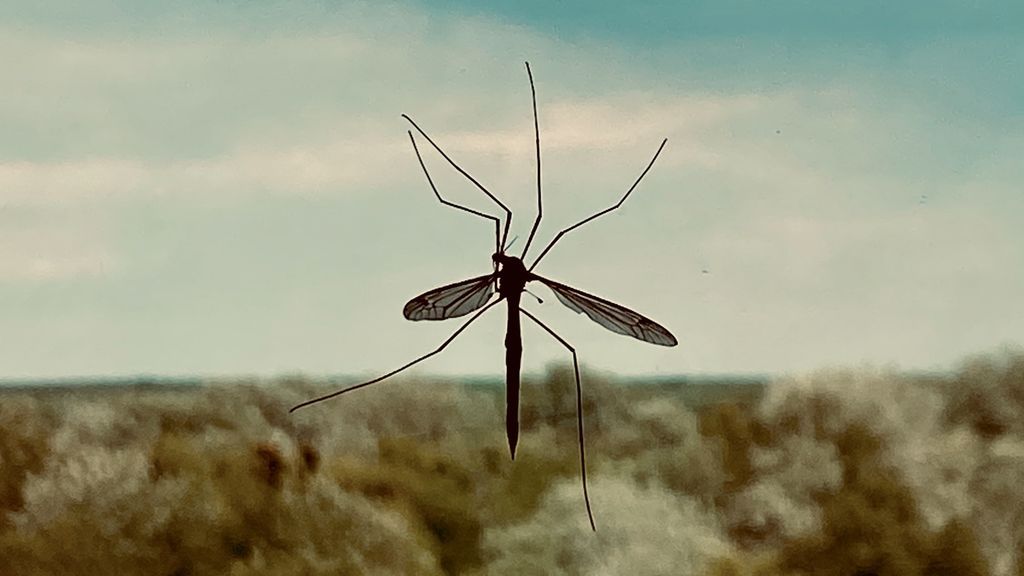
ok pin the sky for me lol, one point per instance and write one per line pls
(227, 188)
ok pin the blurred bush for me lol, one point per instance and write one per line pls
(839, 472)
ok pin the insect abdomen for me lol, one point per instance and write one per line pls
(513, 361)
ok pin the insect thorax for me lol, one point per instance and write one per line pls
(512, 275)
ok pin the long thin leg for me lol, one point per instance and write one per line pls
(536, 132)
(508, 213)
(579, 413)
(497, 223)
(602, 212)
(393, 372)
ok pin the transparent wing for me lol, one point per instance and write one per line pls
(616, 318)
(451, 301)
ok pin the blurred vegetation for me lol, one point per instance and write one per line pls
(851, 472)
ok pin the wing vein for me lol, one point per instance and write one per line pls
(612, 316)
(452, 300)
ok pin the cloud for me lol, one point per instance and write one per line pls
(63, 248)
(271, 163)
(345, 154)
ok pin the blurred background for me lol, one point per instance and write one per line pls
(211, 210)
(861, 471)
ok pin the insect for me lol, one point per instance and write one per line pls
(509, 277)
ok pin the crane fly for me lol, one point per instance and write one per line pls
(509, 277)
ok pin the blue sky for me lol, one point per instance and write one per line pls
(224, 188)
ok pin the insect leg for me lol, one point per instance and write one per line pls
(536, 132)
(508, 213)
(602, 212)
(579, 413)
(497, 223)
(393, 372)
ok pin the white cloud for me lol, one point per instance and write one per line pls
(347, 162)
(802, 200)
(51, 251)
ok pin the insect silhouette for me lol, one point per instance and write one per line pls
(508, 278)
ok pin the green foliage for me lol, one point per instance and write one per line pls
(519, 486)
(871, 524)
(987, 394)
(955, 552)
(434, 490)
(732, 425)
(210, 500)
(24, 443)
(841, 473)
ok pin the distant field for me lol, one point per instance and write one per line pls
(837, 472)
(695, 391)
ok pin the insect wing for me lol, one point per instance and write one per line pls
(451, 301)
(614, 317)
